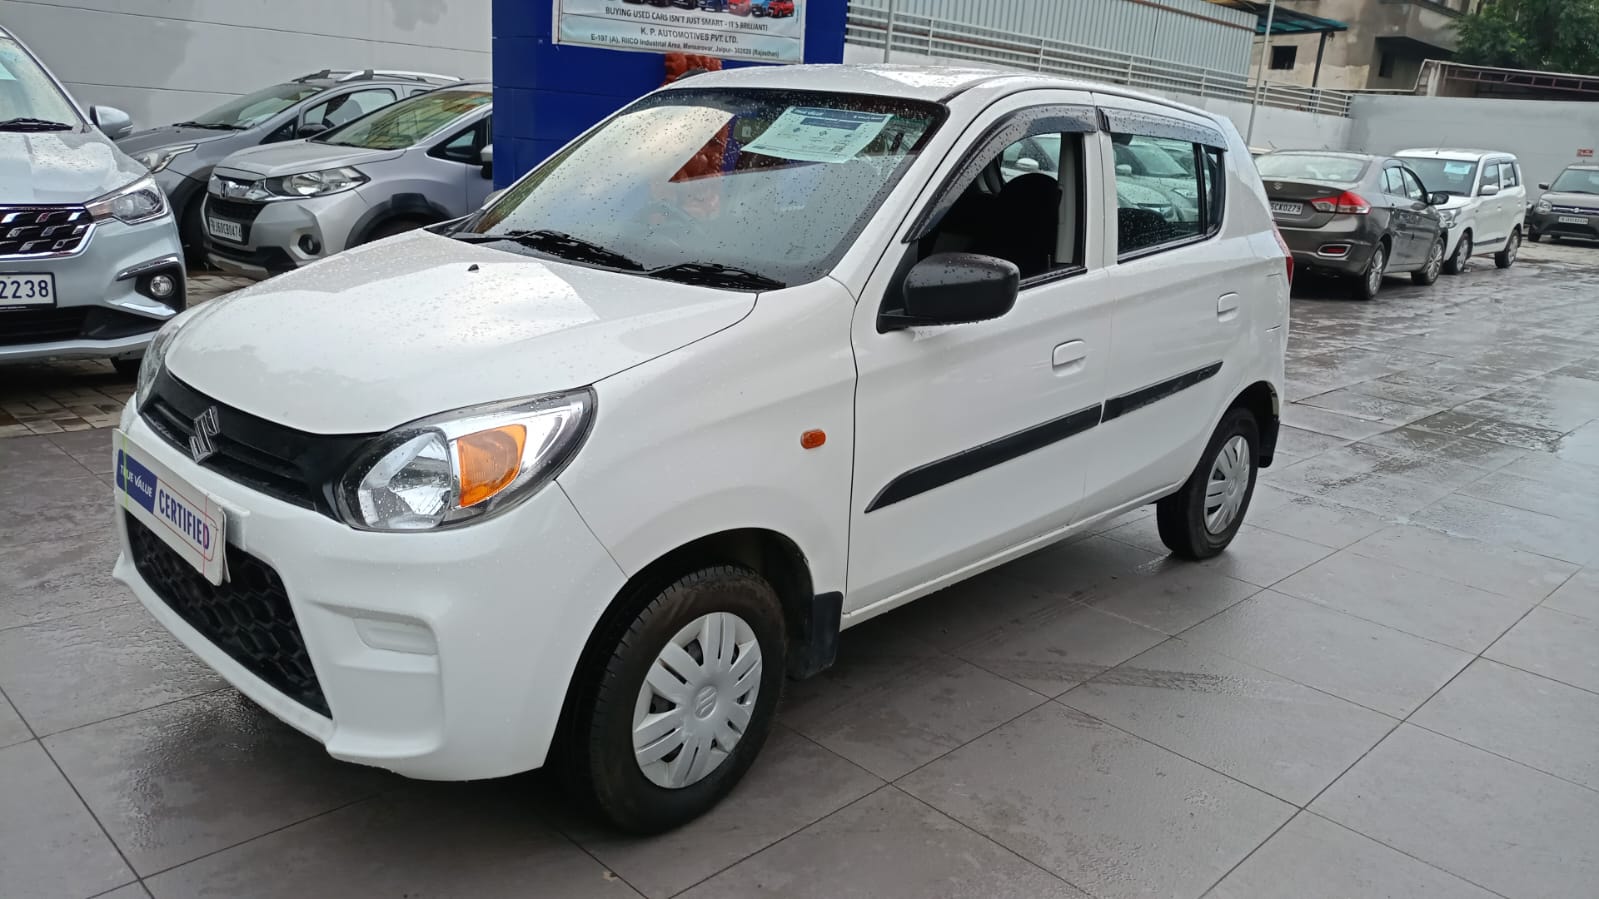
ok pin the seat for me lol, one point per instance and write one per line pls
(1025, 223)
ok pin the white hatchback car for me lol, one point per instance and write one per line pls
(764, 355)
(1487, 204)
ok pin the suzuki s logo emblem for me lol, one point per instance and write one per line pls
(1277, 185)
(206, 427)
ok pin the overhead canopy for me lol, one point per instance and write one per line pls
(1285, 21)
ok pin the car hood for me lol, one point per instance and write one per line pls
(1558, 198)
(61, 167)
(409, 327)
(278, 160)
(170, 136)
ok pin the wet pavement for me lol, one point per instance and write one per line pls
(1389, 686)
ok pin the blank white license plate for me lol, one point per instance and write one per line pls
(27, 290)
(183, 516)
(1573, 220)
(225, 229)
(1287, 208)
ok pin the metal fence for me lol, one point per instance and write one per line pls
(927, 36)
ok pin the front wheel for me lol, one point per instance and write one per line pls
(1370, 281)
(684, 701)
(1534, 236)
(1457, 263)
(128, 368)
(1427, 275)
(1203, 516)
(1507, 257)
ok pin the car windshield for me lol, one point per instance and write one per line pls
(1452, 175)
(770, 184)
(253, 109)
(407, 122)
(1310, 167)
(1577, 181)
(27, 94)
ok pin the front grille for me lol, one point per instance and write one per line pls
(233, 210)
(248, 616)
(1576, 210)
(24, 326)
(28, 231)
(289, 465)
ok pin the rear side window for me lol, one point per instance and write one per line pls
(1168, 192)
(1392, 183)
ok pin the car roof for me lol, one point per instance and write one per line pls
(1460, 154)
(1582, 167)
(930, 83)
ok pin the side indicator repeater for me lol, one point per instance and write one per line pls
(813, 438)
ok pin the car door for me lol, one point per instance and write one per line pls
(1397, 203)
(1513, 196)
(1178, 285)
(969, 437)
(1424, 221)
(1491, 227)
(463, 150)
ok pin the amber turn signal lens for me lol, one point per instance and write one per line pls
(489, 461)
(813, 439)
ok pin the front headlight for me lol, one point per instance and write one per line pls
(450, 469)
(1544, 206)
(155, 358)
(156, 160)
(314, 184)
(1448, 217)
(138, 202)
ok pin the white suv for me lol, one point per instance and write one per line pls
(766, 354)
(1487, 202)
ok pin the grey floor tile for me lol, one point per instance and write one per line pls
(963, 612)
(1554, 644)
(1389, 496)
(1480, 453)
(1578, 596)
(1261, 557)
(1333, 424)
(1420, 604)
(92, 666)
(470, 840)
(793, 784)
(1365, 663)
(91, 449)
(1578, 479)
(12, 727)
(1315, 520)
(1301, 443)
(1531, 719)
(174, 783)
(1177, 598)
(1313, 858)
(1059, 647)
(57, 578)
(1581, 446)
(861, 852)
(1487, 566)
(1508, 432)
(1076, 569)
(1567, 502)
(1494, 822)
(37, 463)
(1110, 813)
(131, 891)
(49, 844)
(1356, 404)
(1267, 731)
(913, 718)
(32, 511)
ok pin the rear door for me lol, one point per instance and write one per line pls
(1491, 227)
(1401, 218)
(462, 151)
(1425, 222)
(1514, 194)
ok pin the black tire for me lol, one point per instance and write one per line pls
(1367, 285)
(1507, 257)
(1534, 236)
(1427, 275)
(191, 233)
(1181, 517)
(603, 736)
(128, 368)
(1458, 262)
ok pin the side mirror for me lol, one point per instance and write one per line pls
(113, 122)
(486, 156)
(1437, 199)
(1544, 186)
(1124, 169)
(493, 197)
(311, 129)
(954, 289)
(1487, 190)
(1028, 164)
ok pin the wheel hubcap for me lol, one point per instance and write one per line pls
(1229, 481)
(1435, 260)
(1374, 277)
(696, 700)
(1463, 252)
(1515, 246)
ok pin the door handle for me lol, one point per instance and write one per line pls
(1069, 357)
(1227, 307)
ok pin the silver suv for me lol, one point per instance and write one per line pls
(181, 156)
(89, 258)
(421, 161)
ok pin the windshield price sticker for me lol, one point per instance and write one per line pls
(812, 134)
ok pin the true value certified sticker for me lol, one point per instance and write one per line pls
(185, 518)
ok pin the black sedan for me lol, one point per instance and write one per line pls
(1355, 216)
(1569, 207)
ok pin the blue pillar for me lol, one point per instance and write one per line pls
(545, 94)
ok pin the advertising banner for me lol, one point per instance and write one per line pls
(754, 30)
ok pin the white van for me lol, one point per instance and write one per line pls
(1487, 204)
(768, 353)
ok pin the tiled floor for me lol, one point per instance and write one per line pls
(1388, 687)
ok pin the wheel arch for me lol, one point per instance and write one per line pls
(1261, 399)
(407, 206)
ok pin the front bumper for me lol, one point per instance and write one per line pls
(100, 309)
(282, 235)
(1318, 249)
(441, 656)
(1549, 223)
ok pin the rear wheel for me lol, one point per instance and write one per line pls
(1370, 281)
(1203, 516)
(1507, 257)
(684, 700)
(1428, 273)
(1534, 236)
(1457, 262)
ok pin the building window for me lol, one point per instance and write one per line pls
(1385, 66)
(1283, 57)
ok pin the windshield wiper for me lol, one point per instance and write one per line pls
(24, 123)
(213, 126)
(714, 274)
(559, 243)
